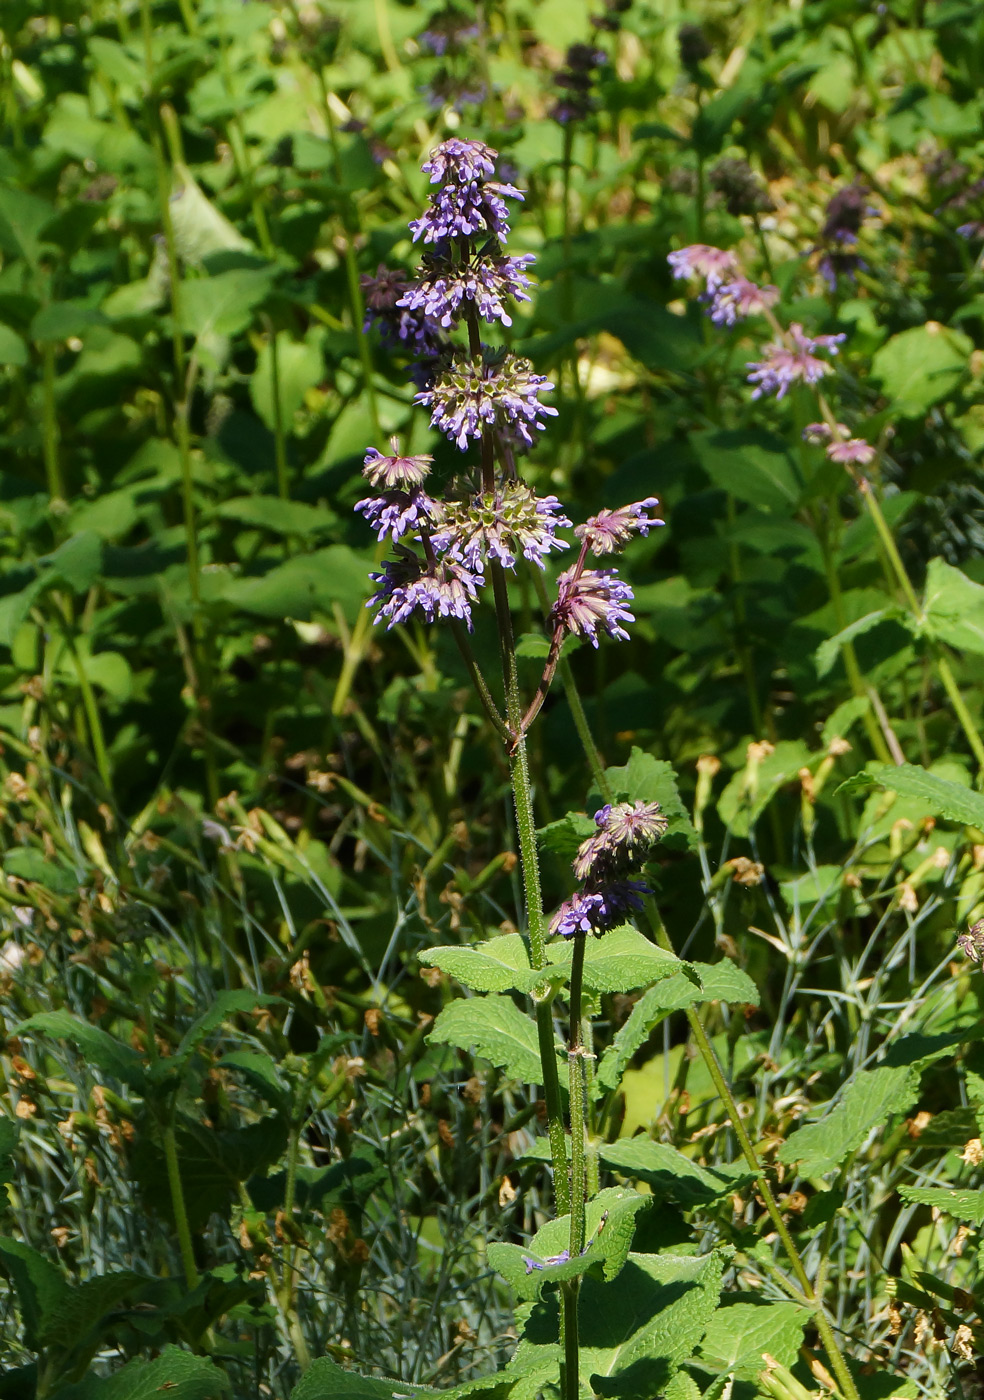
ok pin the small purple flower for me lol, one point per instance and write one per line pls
(592, 599)
(449, 29)
(715, 265)
(845, 213)
(855, 452)
(494, 525)
(399, 327)
(501, 392)
(971, 230)
(729, 302)
(397, 513)
(463, 161)
(441, 288)
(460, 211)
(783, 366)
(442, 589)
(596, 911)
(560, 1258)
(817, 434)
(611, 530)
(395, 471)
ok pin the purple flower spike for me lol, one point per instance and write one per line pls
(715, 265)
(460, 211)
(499, 393)
(560, 1258)
(627, 832)
(459, 160)
(444, 589)
(733, 301)
(611, 530)
(783, 367)
(591, 600)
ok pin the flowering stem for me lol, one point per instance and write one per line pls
(575, 1061)
(478, 681)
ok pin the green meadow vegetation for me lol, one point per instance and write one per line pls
(549, 967)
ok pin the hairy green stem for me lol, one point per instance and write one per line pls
(178, 1206)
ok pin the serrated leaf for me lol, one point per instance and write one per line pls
(494, 1028)
(41, 1289)
(744, 1330)
(175, 1374)
(648, 779)
(103, 1050)
(637, 1330)
(565, 835)
(721, 981)
(754, 466)
(960, 1204)
(224, 1005)
(609, 1227)
(940, 797)
(621, 961)
(673, 1176)
(871, 1098)
(501, 964)
(326, 1380)
(953, 607)
(828, 652)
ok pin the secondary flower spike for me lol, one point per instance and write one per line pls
(611, 530)
(605, 862)
(791, 360)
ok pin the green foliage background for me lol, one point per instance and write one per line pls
(235, 819)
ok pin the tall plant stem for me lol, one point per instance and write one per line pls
(814, 1299)
(49, 425)
(178, 1206)
(943, 667)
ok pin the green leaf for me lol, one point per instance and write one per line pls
(637, 1330)
(648, 779)
(98, 1046)
(621, 961)
(8, 1144)
(744, 1329)
(63, 319)
(22, 218)
(200, 230)
(13, 350)
(223, 305)
(673, 1176)
(501, 964)
(953, 607)
(280, 517)
(41, 1290)
(346, 1183)
(326, 1380)
(828, 652)
(739, 807)
(494, 1028)
(566, 834)
(77, 562)
(920, 366)
(300, 366)
(31, 863)
(960, 1204)
(939, 796)
(721, 981)
(175, 1374)
(224, 1005)
(301, 585)
(609, 1227)
(754, 466)
(871, 1098)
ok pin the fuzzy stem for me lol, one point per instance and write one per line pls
(178, 1206)
(575, 1061)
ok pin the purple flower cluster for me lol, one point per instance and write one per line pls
(728, 295)
(468, 201)
(790, 361)
(605, 862)
(440, 588)
(589, 599)
(845, 213)
(502, 391)
(496, 525)
(440, 290)
(841, 447)
(574, 80)
(611, 530)
(401, 326)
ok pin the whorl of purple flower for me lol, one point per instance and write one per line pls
(627, 831)
(461, 161)
(845, 213)
(460, 211)
(445, 588)
(449, 29)
(715, 265)
(574, 80)
(446, 89)
(817, 434)
(855, 452)
(499, 392)
(783, 365)
(591, 599)
(399, 326)
(402, 473)
(611, 530)
(729, 302)
(596, 911)
(397, 513)
(496, 525)
(440, 290)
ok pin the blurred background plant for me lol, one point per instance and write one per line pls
(233, 814)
